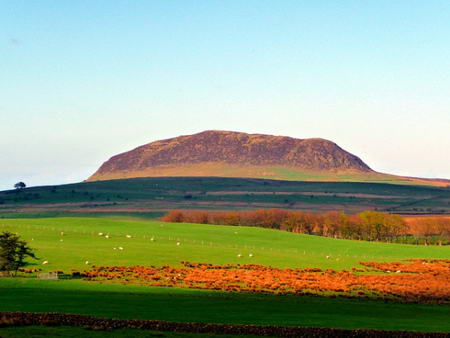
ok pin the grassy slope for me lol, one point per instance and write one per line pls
(199, 243)
(185, 305)
(221, 244)
(212, 169)
(145, 194)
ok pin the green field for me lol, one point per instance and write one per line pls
(204, 243)
(198, 243)
(143, 196)
(186, 305)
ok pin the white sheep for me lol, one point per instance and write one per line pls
(61, 240)
(128, 236)
(250, 255)
(120, 248)
(239, 255)
(152, 239)
(178, 243)
(106, 236)
(328, 257)
(62, 233)
(87, 263)
(44, 262)
(100, 233)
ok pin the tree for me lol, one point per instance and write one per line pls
(13, 252)
(19, 185)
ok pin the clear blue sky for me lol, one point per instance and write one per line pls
(81, 81)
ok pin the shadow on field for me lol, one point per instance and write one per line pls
(184, 305)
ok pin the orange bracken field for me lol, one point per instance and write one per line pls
(418, 280)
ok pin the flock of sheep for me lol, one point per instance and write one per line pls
(120, 248)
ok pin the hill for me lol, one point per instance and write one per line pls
(145, 196)
(233, 154)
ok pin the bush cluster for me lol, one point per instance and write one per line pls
(367, 225)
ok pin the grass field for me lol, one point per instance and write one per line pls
(186, 305)
(204, 243)
(141, 196)
(198, 243)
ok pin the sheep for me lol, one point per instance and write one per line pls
(120, 248)
(115, 248)
(100, 233)
(44, 262)
(87, 263)
(328, 257)
(62, 233)
(61, 240)
(106, 236)
(178, 243)
(239, 255)
(128, 236)
(250, 255)
(152, 239)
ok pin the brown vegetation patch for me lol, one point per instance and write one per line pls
(367, 225)
(420, 280)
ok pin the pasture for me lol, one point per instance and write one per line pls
(81, 241)
(148, 197)
(67, 243)
(187, 305)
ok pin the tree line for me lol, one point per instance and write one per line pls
(367, 225)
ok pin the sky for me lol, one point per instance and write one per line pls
(81, 81)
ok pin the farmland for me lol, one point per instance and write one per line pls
(81, 242)
(117, 225)
(67, 243)
(151, 197)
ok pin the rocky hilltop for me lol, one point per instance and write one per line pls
(232, 154)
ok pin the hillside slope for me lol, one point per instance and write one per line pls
(145, 196)
(233, 154)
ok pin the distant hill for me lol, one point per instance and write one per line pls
(152, 196)
(234, 154)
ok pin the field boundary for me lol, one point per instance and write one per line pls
(8, 319)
